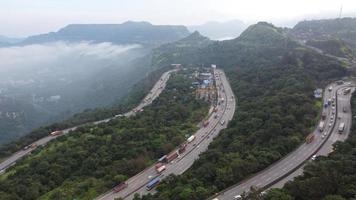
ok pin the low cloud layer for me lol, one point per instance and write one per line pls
(39, 54)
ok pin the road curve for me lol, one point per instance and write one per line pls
(204, 137)
(153, 94)
(284, 168)
(346, 117)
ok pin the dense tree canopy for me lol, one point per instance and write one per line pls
(93, 159)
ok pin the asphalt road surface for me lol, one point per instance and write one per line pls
(203, 137)
(291, 165)
(153, 94)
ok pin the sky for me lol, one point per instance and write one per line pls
(20, 18)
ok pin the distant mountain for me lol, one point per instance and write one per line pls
(9, 40)
(220, 30)
(126, 33)
(344, 29)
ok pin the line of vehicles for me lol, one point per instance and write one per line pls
(162, 162)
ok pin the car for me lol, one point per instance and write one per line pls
(330, 124)
(332, 117)
(322, 136)
(313, 157)
(238, 197)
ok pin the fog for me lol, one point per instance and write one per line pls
(19, 58)
(43, 83)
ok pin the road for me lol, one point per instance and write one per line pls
(153, 94)
(290, 166)
(346, 117)
(204, 136)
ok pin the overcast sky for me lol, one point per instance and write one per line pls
(27, 17)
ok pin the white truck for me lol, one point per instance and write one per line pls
(321, 126)
(190, 139)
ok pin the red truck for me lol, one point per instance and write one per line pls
(171, 156)
(120, 187)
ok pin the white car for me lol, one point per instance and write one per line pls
(330, 124)
(313, 157)
(238, 197)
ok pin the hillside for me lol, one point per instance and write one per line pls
(273, 79)
(344, 29)
(334, 47)
(129, 32)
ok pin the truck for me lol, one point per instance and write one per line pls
(120, 187)
(161, 169)
(347, 90)
(162, 159)
(171, 156)
(153, 183)
(323, 116)
(309, 138)
(182, 147)
(54, 133)
(191, 138)
(341, 127)
(206, 123)
(321, 126)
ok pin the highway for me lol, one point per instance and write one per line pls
(203, 137)
(346, 117)
(291, 165)
(153, 94)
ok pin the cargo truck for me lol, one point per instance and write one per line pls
(182, 147)
(190, 139)
(161, 169)
(171, 156)
(120, 187)
(153, 183)
(54, 133)
(309, 138)
(321, 126)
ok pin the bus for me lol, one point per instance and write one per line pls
(341, 127)
(150, 185)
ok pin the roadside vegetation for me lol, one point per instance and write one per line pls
(93, 159)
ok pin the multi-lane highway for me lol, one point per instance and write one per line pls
(290, 166)
(153, 94)
(345, 116)
(203, 137)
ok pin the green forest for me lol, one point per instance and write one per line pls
(93, 159)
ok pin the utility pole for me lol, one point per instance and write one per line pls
(340, 13)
